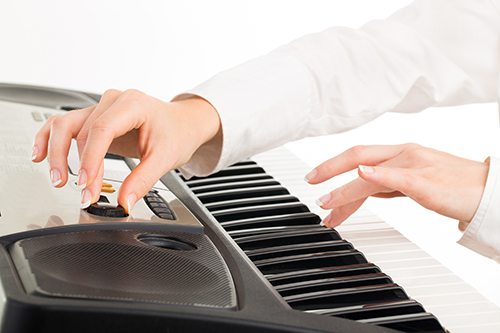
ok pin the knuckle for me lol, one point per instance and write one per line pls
(339, 196)
(81, 138)
(417, 154)
(133, 94)
(411, 146)
(407, 181)
(57, 121)
(357, 152)
(110, 93)
(99, 125)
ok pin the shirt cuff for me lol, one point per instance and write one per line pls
(483, 233)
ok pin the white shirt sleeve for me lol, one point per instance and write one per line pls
(483, 232)
(431, 53)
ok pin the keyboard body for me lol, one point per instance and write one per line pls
(239, 252)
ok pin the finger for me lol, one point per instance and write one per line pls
(120, 118)
(91, 193)
(406, 181)
(62, 130)
(41, 141)
(107, 99)
(388, 195)
(350, 192)
(351, 158)
(340, 214)
(141, 180)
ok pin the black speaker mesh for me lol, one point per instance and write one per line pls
(116, 265)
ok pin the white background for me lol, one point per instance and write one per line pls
(165, 47)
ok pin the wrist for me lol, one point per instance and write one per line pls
(200, 115)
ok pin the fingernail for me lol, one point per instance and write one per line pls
(55, 177)
(82, 179)
(323, 200)
(326, 220)
(34, 153)
(366, 169)
(131, 199)
(86, 197)
(311, 175)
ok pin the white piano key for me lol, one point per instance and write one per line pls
(396, 256)
(388, 247)
(473, 328)
(363, 234)
(417, 281)
(439, 289)
(456, 298)
(367, 242)
(361, 226)
(407, 272)
(454, 309)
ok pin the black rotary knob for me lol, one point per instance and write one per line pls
(106, 210)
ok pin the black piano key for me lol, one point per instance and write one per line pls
(240, 193)
(294, 219)
(376, 310)
(414, 323)
(245, 162)
(277, 279)
(288, 250)
(287, 238)
(238, 203)
(227, 179)
(235, 234)
(346, 297)
(229, 186)
(244, 169)
(310, 260)
(304, 287)
(259, 210)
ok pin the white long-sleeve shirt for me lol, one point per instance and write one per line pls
(430, 53)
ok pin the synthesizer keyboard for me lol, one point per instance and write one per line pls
(237, 251)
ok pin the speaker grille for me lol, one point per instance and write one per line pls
(118, 265)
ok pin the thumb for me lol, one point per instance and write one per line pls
(403, 180)
(140, 181)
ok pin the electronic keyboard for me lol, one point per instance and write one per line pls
(237, 250)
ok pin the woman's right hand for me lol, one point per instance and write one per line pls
(447, 184)
(163, 135)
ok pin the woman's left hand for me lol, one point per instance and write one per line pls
(447, 184)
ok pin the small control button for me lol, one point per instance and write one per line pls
(103, 199)
(163, 210)
(158, 205)
(107, 188)
(106, 210)
(166, 216)
(37, 116)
